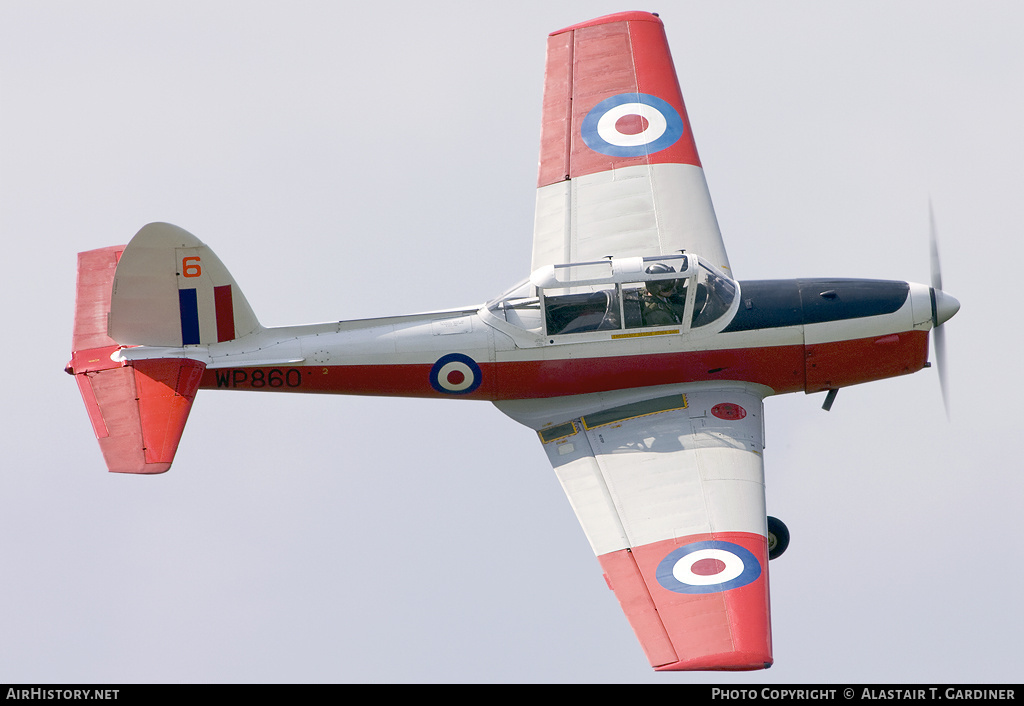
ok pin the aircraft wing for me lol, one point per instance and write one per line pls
(668, 484)
(619, 173)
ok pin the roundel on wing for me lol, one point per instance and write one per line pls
(455, 374)
(710, 566)
(728, 410)
(631, 125)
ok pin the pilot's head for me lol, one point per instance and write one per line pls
(664, 287)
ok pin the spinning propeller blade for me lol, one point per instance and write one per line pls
(943, 308)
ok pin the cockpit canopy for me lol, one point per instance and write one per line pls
(676, 291)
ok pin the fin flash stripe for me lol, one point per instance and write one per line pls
(225, 310)
(188, 304)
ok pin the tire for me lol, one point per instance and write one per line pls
(778, 537)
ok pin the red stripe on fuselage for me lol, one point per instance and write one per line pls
(778, 367)
(842, 363)
(782, 368)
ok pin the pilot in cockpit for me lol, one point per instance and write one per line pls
(663, 301)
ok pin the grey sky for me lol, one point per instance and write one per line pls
(352, 160)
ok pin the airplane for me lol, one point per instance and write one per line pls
(638, 358)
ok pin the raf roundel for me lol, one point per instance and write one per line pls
(631, 125)
(708, 567)
(455, 374)
(728, 411)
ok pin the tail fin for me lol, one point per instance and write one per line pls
(172, 290)
(165, 288)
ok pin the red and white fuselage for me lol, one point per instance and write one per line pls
(786, 335)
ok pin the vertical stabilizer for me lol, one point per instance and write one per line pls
(172, 290)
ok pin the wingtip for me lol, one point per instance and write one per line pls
(728, 662)
(633, 16)
(146, 469)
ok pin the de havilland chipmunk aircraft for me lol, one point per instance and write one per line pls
(631, 349)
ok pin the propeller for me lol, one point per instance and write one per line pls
(943, 308)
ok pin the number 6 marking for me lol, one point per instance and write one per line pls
(191, 270)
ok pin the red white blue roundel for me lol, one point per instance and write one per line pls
(631, 125)
(708, 567)
(455, 374)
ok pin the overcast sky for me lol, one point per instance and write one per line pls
(348, 160)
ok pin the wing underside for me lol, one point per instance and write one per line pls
(619, 173)
(668, 485)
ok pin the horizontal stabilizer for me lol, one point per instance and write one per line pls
(138, 410)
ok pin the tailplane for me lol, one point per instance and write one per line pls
(167, 289)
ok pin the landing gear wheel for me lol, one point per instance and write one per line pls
(778, 537)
